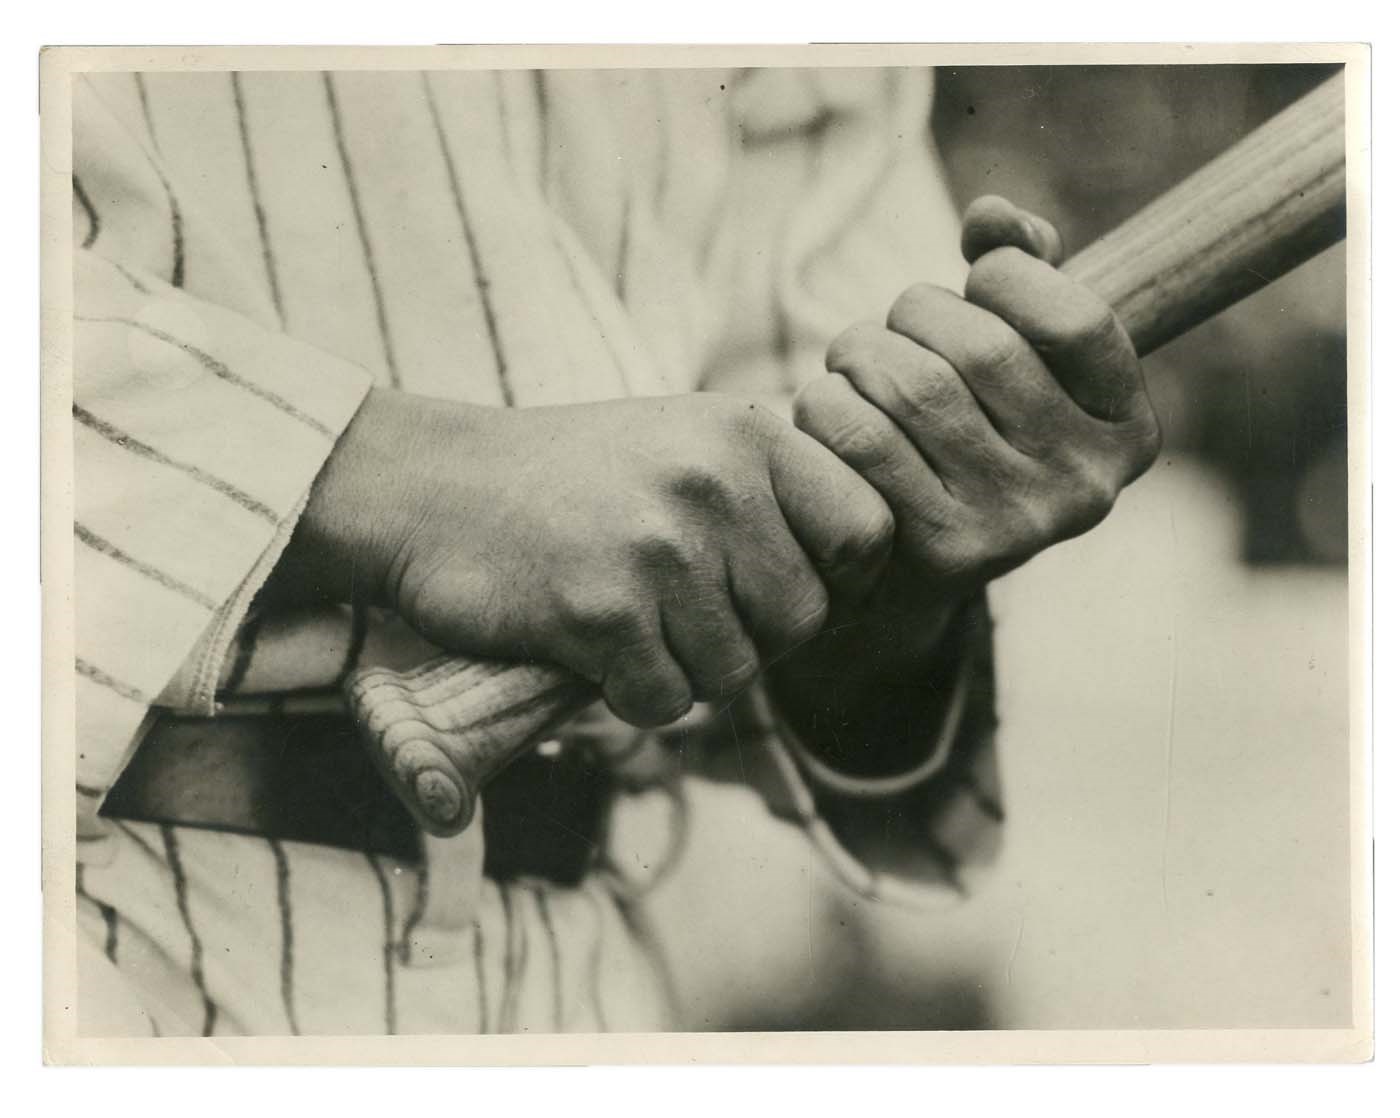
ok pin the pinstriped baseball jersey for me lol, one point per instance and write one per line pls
(254, 251)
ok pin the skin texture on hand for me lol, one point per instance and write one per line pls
(666, 548)
(662, 548)
(995, 425)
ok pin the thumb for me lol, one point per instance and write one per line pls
(993, 222)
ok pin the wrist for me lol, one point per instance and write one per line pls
(365, 504)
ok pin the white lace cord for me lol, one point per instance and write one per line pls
(882, 787)
(850, 871)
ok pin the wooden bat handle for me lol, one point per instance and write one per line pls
(1273, 200)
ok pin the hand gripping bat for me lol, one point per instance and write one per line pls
(1275, 199)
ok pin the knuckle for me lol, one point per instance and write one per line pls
(850, 347)
(699, 484)
(818, 401)
(926, 389)
(1145, 438)
(659, 552)
(874, 537)
(952, 558)
(857, 443)
(835, 416)
(1035, 524)
(1094, 327)
(740, 420)
(1001, 353)
(804, 616)
(1084, 325)
(988, 278)
(1090, 493)
(600, 616)
(865, 540)
(911, 306)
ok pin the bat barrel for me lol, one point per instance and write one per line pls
(1275, 199)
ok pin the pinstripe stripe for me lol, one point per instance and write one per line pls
(483, 1014)
(284, 912)
(109, 918)
(105, 547)
(381, 313)
(555, 958)
(507, 148)
(259, 214)
(93, 223)
(595, 962)
(662, 184)
(143, 450)
(213, 365)
(98, 676)
(540, 85)
(604, 336)
(144, 96)
(483, 284)
(130, 276)
(386, 894)
(720, 207)
(783, 339)
(624, 247)
(841, 231)
(177, 218)
(415, 915)
(182, 902)
(517, 957)
(138, 838)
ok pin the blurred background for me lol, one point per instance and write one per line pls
(1173, 685)
(1259, 395)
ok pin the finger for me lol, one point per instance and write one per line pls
(644, 685)
(1075, 332)
(863, 436)
(779, 594)
(842, 524)
(993, 222)
(706, 638)
(926, 399)
(1016, 391)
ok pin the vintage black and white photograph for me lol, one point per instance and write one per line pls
(847, 543)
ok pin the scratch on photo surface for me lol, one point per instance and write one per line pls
(1015, 947)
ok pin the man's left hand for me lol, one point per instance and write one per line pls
(995, 424)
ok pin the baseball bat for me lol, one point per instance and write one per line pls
(1272, 201)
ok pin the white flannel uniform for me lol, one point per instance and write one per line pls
(256, 250)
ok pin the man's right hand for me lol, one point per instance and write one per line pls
(660, 547)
